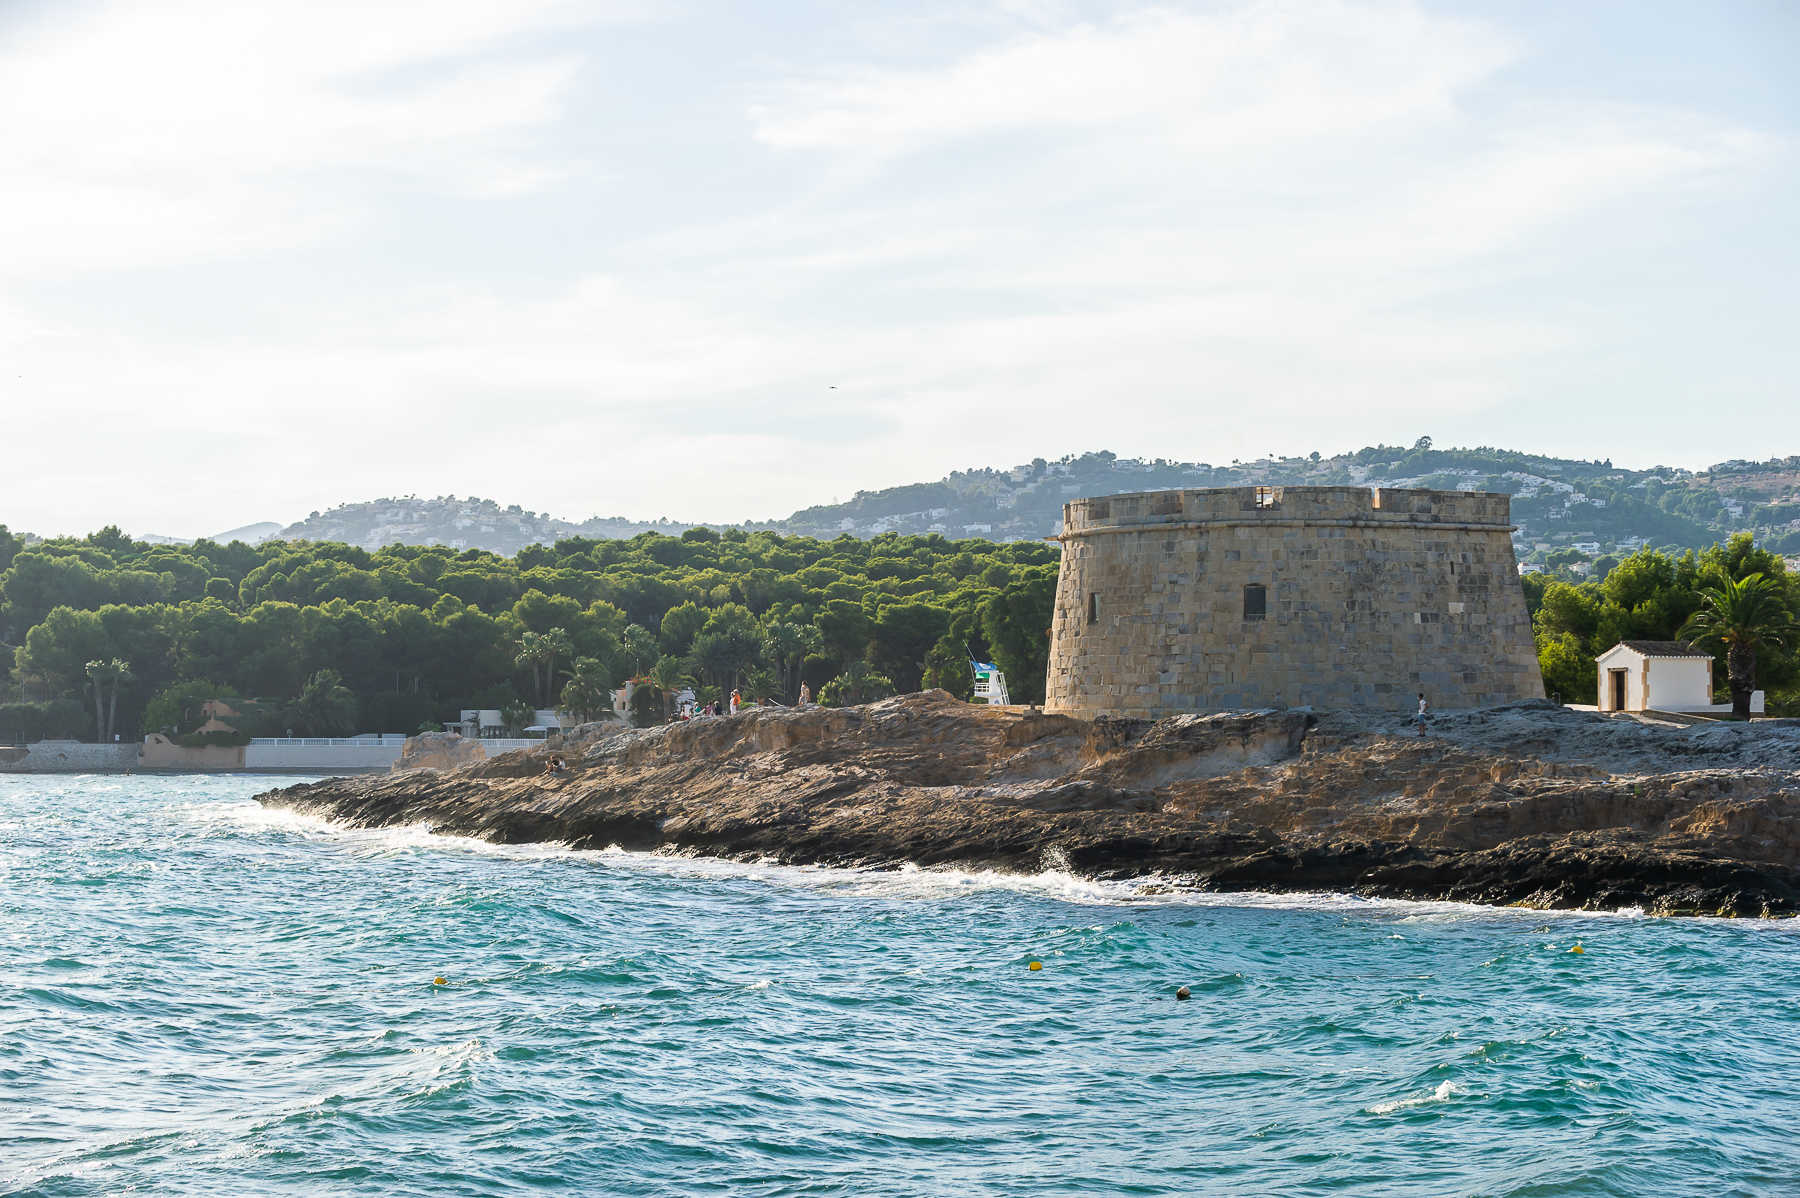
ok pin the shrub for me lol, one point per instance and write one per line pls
(53, 719)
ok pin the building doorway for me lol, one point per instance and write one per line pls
(1615, 681)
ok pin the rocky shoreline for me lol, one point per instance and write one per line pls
(1528, 804)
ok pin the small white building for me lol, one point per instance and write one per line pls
(486, 723)
(1668, 676)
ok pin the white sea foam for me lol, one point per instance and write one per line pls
(908, 882)
(1444, 1092)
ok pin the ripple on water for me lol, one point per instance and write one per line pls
(199, 995)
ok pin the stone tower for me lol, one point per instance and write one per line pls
(1240, 597)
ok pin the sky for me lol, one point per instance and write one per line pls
(719, 261)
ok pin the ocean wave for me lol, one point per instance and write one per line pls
(906, 881)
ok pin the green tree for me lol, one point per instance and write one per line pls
(1017, 625)
(903, 634)
(537, 653)
(786, 645)
(640, 649)
(176, 709)
(516, 715)
(858, 683)
(1742, 616)
(680, 625)
(107, 676)
(665, 679)
(588, 693)
(1740, 557)
(1568, 669)
(728, 646)
(325, 707)
(947, 668)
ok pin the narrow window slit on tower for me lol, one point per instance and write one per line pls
(1256, 601)
(1093, 607)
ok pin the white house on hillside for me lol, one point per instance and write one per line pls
(1661, 676)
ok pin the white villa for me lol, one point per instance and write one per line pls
(485, 723)
(1670, 676)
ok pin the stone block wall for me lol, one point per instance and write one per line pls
(68, 757)
(1368, 597)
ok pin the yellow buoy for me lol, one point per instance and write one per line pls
(1578, 949)
(1035, 966)
(439, 982)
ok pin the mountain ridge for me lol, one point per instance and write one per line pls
(1578, 509)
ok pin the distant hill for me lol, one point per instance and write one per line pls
(1559, 504)
(249, 534)
(459, 523)
(1562, 506)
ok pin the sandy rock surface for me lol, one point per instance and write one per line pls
(1528, 803)
(438, 751)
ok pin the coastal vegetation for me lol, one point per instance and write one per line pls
(106, 632)
(1736, 600)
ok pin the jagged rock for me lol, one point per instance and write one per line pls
(1529, 803)
(438, 751)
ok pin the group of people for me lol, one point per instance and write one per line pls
(733, 705)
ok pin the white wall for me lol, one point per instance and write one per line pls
(1679, 684)
(1669, 683)
(326, 755)
(321, 755)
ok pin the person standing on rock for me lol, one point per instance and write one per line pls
(1419, 719)
(735, 700)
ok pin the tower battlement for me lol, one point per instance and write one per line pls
(1173, 601)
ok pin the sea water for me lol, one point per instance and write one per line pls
(199, 996)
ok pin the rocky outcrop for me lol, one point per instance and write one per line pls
(438, 751)
(1530, 803)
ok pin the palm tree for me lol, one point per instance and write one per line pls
(1740, 615)
(107, 676)
(858, 683)
(787, 644)
(588, 694)
(639, 647)
(326, 707)
(532, 655)
(538, 652)
(668, 676)
(517, 715)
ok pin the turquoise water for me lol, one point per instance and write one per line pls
(199, 998)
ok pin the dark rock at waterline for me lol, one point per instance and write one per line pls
(1529, 804)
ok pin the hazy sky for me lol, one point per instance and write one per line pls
(612, 257)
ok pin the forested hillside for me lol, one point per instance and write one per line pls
(1568, 511)
(106, 634)
(327, 638)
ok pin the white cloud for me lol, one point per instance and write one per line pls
(1229, 78)
(160, 133)
(1171, 231)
